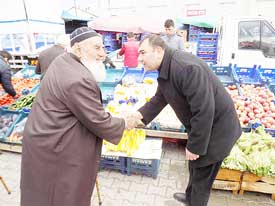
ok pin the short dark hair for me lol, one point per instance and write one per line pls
(130, 34)
(168, 23)
(5, 54)
(154, 40)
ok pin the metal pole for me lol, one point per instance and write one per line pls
(5, 186)
(28, 27)
(75, 7)
(26, 13)
(98, 193)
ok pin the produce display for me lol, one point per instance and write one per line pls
(20, 86)
(253, 152)
(131, 96)
(17, 134)
(25, 73)
(6, 120)
(23, 102)
(167, 119)
(129, 142)
(255, 104)
(2, 92)
(259, 104)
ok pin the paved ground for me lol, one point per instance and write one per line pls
(136, 190)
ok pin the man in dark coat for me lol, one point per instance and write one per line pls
(47, 56)
(64, 131)
(5, 73)
(202, 105)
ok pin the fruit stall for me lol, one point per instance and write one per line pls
(249, 167)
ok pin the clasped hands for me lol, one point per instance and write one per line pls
(132, 119)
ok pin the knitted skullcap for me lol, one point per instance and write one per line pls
(81, 34)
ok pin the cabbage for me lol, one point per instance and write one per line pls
(253, 152)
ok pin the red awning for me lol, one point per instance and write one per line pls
(136, 24)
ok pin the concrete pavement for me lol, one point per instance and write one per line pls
(135, 190)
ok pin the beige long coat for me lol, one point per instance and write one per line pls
(63, 137)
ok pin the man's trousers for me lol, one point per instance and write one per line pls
(200, 183)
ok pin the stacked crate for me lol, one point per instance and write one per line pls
(207, 45)
(144, 161)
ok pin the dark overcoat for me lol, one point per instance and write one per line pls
(46, 57)
(200, 102)
(5, 77)
(63, 137)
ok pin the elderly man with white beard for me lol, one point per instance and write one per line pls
(64, 131)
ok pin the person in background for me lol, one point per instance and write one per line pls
(203, 106)
(47, 56)
(171, 38)
(109, 63)
(119, 42)
(130, 51)
(66, 126)
(5, 73)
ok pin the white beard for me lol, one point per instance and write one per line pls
(97, 69)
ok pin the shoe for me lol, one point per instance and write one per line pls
(181, 197)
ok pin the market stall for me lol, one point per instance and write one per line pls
(125, 90)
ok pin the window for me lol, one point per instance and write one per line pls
(14, 42)
(6, 43)
(257, 35)
(249, 35)
(268, 40)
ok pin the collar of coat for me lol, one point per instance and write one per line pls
(2, 59)
(165, 64)
(75, 57)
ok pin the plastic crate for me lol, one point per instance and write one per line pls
(208, 37)
(207, 44)
(270, 131)
(107, 92)
(15, 120)
(157, 126)
(150, 74)
(27, 72)
(35, 89)
(207, 55)
(224, 73)
(147, 167)
(207, 47)
(236, 85)
(246, 129)
(134, 73)
(113, 76)
(253, 125)
(247, 75)
(272, 88)
(267, 75)
(113, 162)
(207, 50)
(209, 60)
(22, 116)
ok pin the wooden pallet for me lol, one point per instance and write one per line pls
(252, 182)
(228, 180)
(11, 147)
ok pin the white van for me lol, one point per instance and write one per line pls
(246, 41)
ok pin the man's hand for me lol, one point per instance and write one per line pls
(132, 119)
(191, 156)
(16, 96)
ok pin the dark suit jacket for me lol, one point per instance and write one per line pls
(200, 102)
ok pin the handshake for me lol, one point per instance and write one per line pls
(132, 119)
